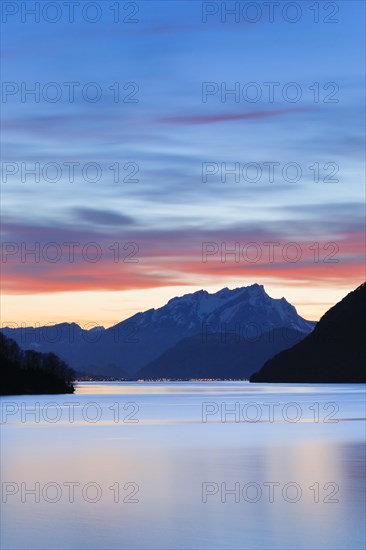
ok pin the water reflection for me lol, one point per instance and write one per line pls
(152, 474)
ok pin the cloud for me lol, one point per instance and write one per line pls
(229, 117)
(102, 217)
(144, 257)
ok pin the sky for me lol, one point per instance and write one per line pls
(154, 148)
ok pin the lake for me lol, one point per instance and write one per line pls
(185, 465)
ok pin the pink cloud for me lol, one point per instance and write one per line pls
(168, 265)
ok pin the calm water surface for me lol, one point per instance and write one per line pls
(195, 465)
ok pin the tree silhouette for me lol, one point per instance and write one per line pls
(31, 372)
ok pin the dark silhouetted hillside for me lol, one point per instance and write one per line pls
(31, 372)
(333, 352)
(219, 355)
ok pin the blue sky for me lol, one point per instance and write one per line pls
(167, 134)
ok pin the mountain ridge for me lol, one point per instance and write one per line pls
(130, 345)
(219, 355)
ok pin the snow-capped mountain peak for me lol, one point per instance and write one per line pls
(129, 345)
(244, 305)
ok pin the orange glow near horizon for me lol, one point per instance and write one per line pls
(105, 292)
(107, 308)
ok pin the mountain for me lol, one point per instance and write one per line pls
(333, 352)
(63, 339)
(30, 372)
(219, 355)
(127, 347)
